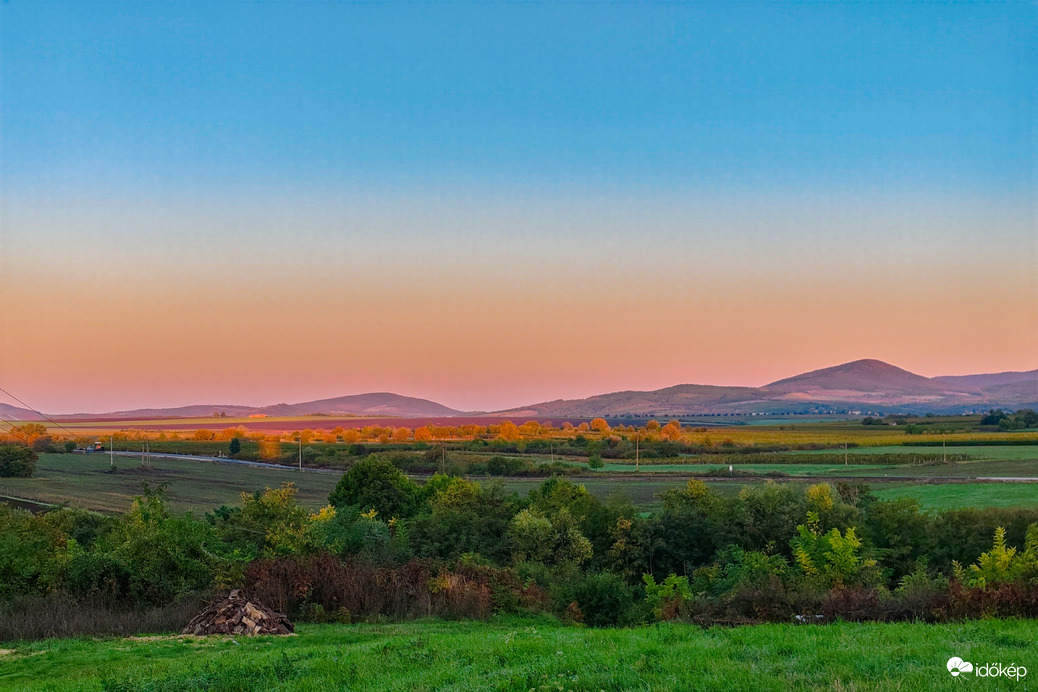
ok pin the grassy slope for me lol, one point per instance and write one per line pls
(522, 655)
(200, 486)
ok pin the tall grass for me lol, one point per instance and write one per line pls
(57, 615)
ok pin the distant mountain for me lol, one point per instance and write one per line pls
(193, 411)
(14, 414)
(374, 404)
(383, 404)
(979, 381)
(860, 377)
(682, 398)
(862, 385)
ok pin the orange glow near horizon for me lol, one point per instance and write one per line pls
(485, 324)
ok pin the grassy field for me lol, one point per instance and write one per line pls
(949, 496)
(1017, 452)
(763, 469)
(83, 481)
(535, 655)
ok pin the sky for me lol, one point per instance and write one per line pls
(495, 204)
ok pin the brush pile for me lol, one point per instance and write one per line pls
(236, 614)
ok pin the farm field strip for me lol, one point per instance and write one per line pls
(200, 486)
(84, 481)
(1019, 452)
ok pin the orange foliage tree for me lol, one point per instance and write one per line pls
(509, 431)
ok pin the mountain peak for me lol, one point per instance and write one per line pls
(865, 375)
(867, 365)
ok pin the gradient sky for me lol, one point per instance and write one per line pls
(495, 204)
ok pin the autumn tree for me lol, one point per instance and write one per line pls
(29, 433)
(509, 431)
(671, 431)
(600, 425)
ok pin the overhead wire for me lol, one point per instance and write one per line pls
(38, 413)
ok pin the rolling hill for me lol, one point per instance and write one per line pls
(16, 414)
(383, 404)
(862, 385)
(374, 404)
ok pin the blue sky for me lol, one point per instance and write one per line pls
(252, 94)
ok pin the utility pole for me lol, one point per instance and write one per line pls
(111, 450)
(944, 445)
(300, 452)
(551, 450)
(637, 450)
(443, 459)
(844, 453)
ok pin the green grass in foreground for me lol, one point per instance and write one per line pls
(82, 481)
(957, 495)
(535, 655)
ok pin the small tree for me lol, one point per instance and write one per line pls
(1002, 564)
(830, 559)
(17, 461)
(235, 446)
(374, 483)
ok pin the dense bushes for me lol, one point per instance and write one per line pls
(17, 461)
(352, 590)
(388, 548)
(601, 599)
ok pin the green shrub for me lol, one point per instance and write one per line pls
(1002, 564)
(668, 599)
(17, 461)
(97, 576)
(167, 555)
(603, 598)
(373, 483)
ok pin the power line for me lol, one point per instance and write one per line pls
(14, 429)
(41, 415)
